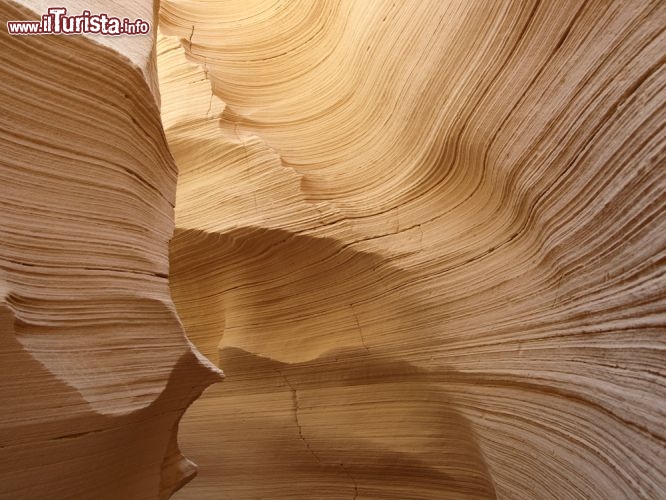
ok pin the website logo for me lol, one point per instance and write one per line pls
(57, 22)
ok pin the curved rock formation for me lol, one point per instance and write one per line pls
(96, 368)
(426, 241)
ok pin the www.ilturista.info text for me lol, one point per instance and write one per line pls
(58, 22)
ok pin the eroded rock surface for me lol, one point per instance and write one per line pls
(96, 369)
(425, 240)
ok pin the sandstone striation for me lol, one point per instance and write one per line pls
(96, 369)
(425, 241)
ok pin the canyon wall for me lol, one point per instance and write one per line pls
(425, 241)
(96, 369)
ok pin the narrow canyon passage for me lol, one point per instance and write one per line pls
(425, 241)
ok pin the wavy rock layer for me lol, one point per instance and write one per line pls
(96, 368)
(426, 242)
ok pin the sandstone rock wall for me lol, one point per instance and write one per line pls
(96, 369)
(425, 241)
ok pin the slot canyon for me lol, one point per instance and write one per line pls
(335, 249)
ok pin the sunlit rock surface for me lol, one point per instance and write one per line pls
(426, 241)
